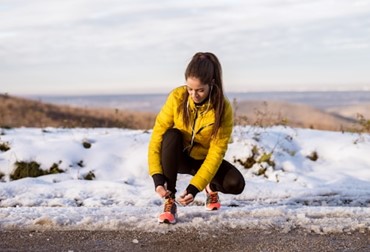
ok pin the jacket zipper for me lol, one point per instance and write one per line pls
(193, 132)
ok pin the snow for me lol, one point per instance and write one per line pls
(327, 195)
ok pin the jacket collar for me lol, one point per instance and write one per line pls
(203, 108)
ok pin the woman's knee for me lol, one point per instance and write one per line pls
(172, 133)
(235, 186)
(234, 183)
(172, 136)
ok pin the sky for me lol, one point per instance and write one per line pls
(330, 194)
(125, 46)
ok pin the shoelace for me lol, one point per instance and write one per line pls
(213, 197)
(168, 204)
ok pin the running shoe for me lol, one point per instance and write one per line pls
(170, 211)
(212, 201)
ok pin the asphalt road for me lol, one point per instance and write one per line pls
(181, 240)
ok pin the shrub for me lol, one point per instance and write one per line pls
(250, 161)
(86, 145)
(81, 164)
(258, 157)
(32, 169)
(25, 169)
(54, 169)
(89, 176)
(4, 146)
(313, 156)
(364, 123)
(362, 126)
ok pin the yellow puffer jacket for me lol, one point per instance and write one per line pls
(212, 150)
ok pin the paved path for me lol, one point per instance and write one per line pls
(180, 240)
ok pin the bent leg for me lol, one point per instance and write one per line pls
(228, 179)
(172, 157)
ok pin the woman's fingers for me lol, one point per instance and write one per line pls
(186, 199)
(162, 192)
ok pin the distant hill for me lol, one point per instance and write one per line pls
(20, 112)
(291, 114)
(352, 111)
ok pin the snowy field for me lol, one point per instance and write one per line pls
(317, 181)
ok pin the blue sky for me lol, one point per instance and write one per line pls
(117, 46)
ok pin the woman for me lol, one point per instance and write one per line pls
(190, 136)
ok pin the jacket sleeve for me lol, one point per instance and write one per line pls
(216, 152)
(164, 121)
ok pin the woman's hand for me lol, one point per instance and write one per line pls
(162, 192)
(185, 198)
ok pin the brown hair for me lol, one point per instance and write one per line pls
(206, 67)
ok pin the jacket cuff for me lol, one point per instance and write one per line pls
(192, 190)
(159, 180)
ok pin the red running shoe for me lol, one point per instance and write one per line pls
(213, 201)
(169, 214)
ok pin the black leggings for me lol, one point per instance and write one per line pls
(228, 179)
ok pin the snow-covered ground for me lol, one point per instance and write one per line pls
(329, 194)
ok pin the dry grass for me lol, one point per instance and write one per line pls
(20, 112)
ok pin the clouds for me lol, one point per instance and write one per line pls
(94, 42)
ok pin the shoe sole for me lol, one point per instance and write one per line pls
(167, 220)
(212, 209)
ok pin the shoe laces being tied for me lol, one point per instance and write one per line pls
(168, 204)
(212, 197)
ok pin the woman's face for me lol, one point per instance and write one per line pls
(197, 90)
